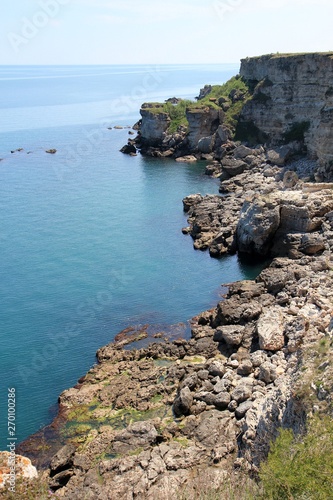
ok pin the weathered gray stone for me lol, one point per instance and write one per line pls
(243, 408)
(267, 372)
(231, 334)
(241, 393)
(245, 368)
(258, 223)
(216, 369)
(279, 156)
(233, 167)
(242, 151)
(222, 400)
(270, 327)
(257, 358)
(63, 459)
(183, 402)
(205, 145)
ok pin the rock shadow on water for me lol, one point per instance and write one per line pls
(252, 265)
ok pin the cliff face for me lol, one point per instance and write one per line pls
(292, 99)
(202, 124)
(155, 123)
(288, 99)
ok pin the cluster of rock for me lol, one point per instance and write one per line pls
(266, 208)
(204, 134)
(149, 421)
(159, 416)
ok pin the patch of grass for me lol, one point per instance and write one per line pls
(301, 467)
(233, 113)
(324, 346)
(226, 89)
(234, 487)
(136, 452)
(79, 413)
(312, 376)
(177, 113)
(157, 398)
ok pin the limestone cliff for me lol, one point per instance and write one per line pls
(292, 99)
(155, 123)
(202, 124)
(277, 99)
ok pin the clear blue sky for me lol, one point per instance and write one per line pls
(155, 31)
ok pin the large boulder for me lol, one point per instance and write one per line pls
(230, 334)
(183, 402)
(270, 327)
(205, 145)
(258, 223)
(202, 122)
(155, 122)
(233, 167)
(279, 156)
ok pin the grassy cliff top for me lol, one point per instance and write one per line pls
(216, 99)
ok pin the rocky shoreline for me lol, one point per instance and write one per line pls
(145, 422)
(149, 422)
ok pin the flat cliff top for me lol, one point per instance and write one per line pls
(295, 54)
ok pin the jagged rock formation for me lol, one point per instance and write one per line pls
(266, 210)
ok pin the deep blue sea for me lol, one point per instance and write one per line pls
(90, 239)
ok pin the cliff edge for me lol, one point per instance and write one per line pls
(277, 99)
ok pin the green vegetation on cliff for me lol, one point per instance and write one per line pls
(301, 467)
(177, 113)
(229, 97)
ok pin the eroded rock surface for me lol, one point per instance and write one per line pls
(144, 422)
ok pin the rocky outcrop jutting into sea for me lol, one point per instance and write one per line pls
(276, 99)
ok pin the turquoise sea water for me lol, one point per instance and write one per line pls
(90, 239)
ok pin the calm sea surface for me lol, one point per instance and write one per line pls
(90, 239)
